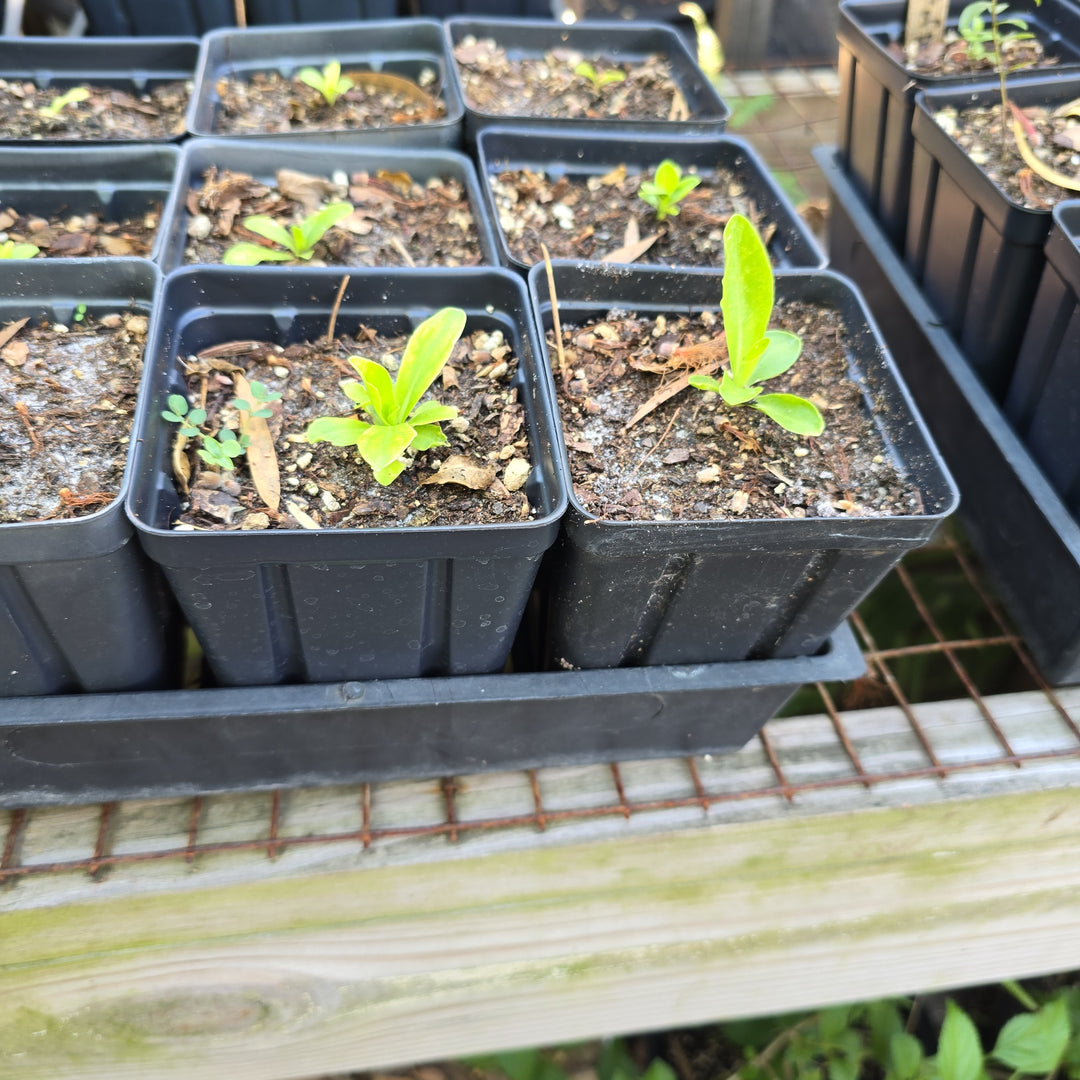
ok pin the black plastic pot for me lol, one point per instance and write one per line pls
(114, 182)
(595, 152)
(975, 253)
(1043, 403)
(617, 41)
(81, 608)
(138, 746)
(128, 65)
(195, 17)
(659, 592)
(441, 9)
(623, 9)
(877, 93)
(406, 47)
(263, 160)
(331, 604)
(1022, 531)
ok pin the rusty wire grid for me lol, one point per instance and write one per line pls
(931, 632)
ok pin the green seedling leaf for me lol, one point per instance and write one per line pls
(336, 430)
(1035, 1042)
(329, 82)
(380, 445)
(791, 412)
(586, 71)
(71, 97)
(298, 241)
(380, 389)
(781, 352)
(667, 188)
(265, 226)
(748, 295)
(249, 254)
(10, 250)
(312, 229)
(735, 394)
(905, 1056)
(428, 349)
(960, 1054)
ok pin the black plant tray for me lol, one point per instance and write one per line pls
(441, 9)
(114, 182)
(877, 93)
(1044, 398)
(618, 41)
(90, 748)
(405, 47)
(262, 160)
(195, 17)
(595, 152)
(1024, 534)
(123, 63)
(975, 253)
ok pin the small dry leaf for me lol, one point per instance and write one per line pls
(458, 469)
(449, 378)
(616, 176)
(15, 353)
(7, 219)
(400, 180)
(73, 244)
(739, 502)
(358, 223)
(676, 456)
(309, 191)
(385, 81)
(116, 245)
(305, 521)
(581, 447)
(709, 475)
(516, 473)
(1069, 136)
(11, 330)
(261, 457)
(633, 245)
(215, 502)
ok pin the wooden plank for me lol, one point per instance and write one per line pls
(743, 28)
(925, 20)
(371, 968)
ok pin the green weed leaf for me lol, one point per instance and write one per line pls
(905, 1056)
(1035, 1042)
(781, 351)
(748, 295)
(794, 414)
(249, 254)
(428, 349)
(381, 393)
(313, 228)
(960, 1054)
(734, 394)
(380, 445)
(336, 430)
(267, 227)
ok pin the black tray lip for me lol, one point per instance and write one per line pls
(854, 29)
(840, 659)
(561, 34)
(664, 145)
(300, 34)
(765, 532)
(1046, 505)
(328, 545)
(205, 150)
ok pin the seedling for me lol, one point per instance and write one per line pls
(10, 250)
(667, 189)
(222, 450)
(297, 241)
(80, 312)
(978, 32)
(756, 353)
(599, 79)
(397, 420)
(261, 397)
(329, 82)
(62, 101)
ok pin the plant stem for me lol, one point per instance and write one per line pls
(999, 60)
(1020, 994)
(762, 1059)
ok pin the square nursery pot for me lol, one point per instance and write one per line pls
(81, 608)
(195, 17)
(441, 9)
(1043, 403)
(114, 183)
(262, 160)
(617, 42)
(135, 67)
(412, 48)
(330, 604)
(877, 93)
(1023, 532)
(976, 254)
(631, 593)
(667, 10)
(595, 152)
(195, 742)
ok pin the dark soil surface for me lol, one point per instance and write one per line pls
(588, 218)
(496, 83)
(953, 57)
(487, 441)
(269, 102)
(693, 457)
(67, 396)
(398, 221)
(108, 114)
(67, 236)
(1055, 139)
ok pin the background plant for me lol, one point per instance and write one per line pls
(667, 189)
(756, 353)
(599, 79)
(974, 28)
(397, 420)
(62, 101)
(297, 241)
(329, 82)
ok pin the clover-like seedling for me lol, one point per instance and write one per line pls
(261, 397)
(221, 451)
(329, 82)
(667, 189)
(756, 353)
(10, 250)
(297, 241)
(978, 32)
(62, 101)
(599, 79)
(397, 420)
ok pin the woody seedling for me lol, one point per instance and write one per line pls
(396, 420)
(667, 189)
(297, 241)
(599, 79)
(978, 32)
(10, 250)
(756, 353)
(62, 101)
(329, 82)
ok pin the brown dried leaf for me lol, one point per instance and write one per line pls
(309, 191)
(1069, 136)
(15, 353)
(215, 502)
(116, 245)
(181, 466)
(74, 244)
(7, 219)
(305, 521)
(510, 421)
(386, 82)
(449, 378)
(633, 245)
(358, 223)
(11, 330)
(580, 446)
(616, 176)
(676, 456)
(458, 469)
(261, 457)
(667, 392)
(400, 180)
